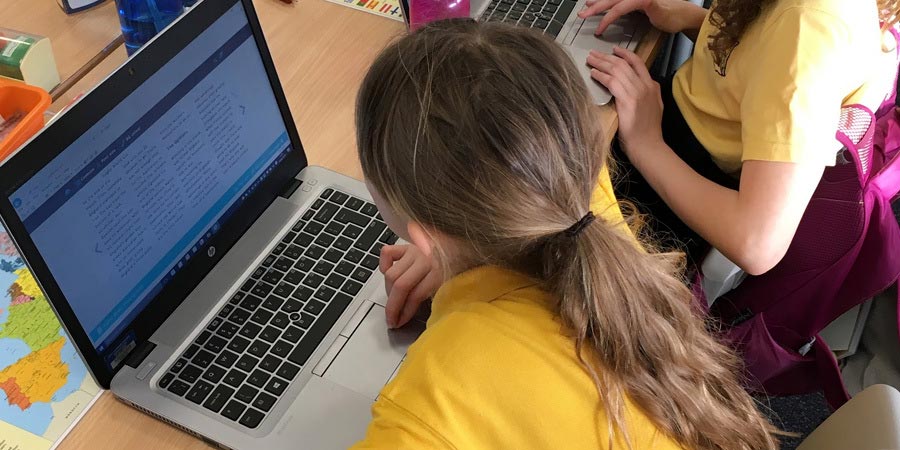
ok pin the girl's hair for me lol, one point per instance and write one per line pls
(732, 17)
(486, 134)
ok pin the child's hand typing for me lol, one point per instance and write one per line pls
(410, 278)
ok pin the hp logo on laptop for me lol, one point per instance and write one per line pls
(211, 251)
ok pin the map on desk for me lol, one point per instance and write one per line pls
(384, 8)
(44, 385)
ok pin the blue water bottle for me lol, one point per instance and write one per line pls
(142, 19)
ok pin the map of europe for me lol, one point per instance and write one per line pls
(44, 385)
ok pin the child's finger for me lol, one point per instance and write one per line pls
(400, 289)
(389, 254)
(419, 294)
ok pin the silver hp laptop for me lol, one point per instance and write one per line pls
(558, 18)
(205, 273)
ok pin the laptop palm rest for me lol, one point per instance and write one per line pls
(370, 356)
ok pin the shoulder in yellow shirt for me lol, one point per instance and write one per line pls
(785, 82)
(495, 370)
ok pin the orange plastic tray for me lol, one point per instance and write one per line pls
(29, 100)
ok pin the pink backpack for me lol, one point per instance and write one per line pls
(846, 250)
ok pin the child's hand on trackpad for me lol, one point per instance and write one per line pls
(410, 278)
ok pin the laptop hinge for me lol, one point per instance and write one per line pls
(137, 356)
(289, 191)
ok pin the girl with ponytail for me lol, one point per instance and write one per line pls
(552, 327)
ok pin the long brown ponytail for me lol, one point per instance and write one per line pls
(485, 133)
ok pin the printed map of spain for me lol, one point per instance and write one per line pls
(44, 386)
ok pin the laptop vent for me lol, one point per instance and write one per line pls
(180, 427)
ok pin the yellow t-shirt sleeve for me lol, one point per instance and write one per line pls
(790, 111)
(393, 427)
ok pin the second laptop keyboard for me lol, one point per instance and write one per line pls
(546, 15)
(259, 341)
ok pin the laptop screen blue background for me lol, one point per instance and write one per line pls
(120, 211)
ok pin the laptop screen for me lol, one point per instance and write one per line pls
(123, 208)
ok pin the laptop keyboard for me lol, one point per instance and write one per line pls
(259, 341)
(546, 15)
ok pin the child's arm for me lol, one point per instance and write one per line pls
(670, 16)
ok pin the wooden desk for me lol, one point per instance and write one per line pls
(76, 39)
(321, 51)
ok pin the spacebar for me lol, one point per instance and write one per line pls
(320, 328)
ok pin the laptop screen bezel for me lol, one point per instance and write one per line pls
(54, 139)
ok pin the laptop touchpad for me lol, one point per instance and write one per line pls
(372, 353)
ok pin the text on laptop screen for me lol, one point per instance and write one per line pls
(119, 211)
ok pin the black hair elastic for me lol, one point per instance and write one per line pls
(579, 226)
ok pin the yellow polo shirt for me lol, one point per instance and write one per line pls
(493, 370)
(785, 83)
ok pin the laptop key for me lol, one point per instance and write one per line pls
(324, 240)
(313, 228)
(203, 358)
(302, 320)
(227, 330)
(292, 306)
(326, 193)
(339, 197)
(335, 281)
(202, 338)
(354, 203)
(317, 332)
(369, 236)
(283, 290)
(269, 260)
(281, 349)
(279, 248)
(288, 238)
(388, 237)
(283, 264)
(214, 374)
(247, 363)
(318, 203)
(276, 386)
(216, 344)
(235, 378)
(262, 289)
(264, 401)
(287, 371)
(178, 365)
(325, 213)
(342, 243)
(354, 255)
(308, 214)
(227, 359)
(270, 334)
(251, 302)
(369, 209)
(247, 285)
(304, 264)
(251, 418)
(314, 252)
(239, 316)
(273, 276)
(166, 380)
(259, 272)
(376, 249)
(191, 351)
(217, 399)
(334, 228)
(541, 23)
(246, 393)
(314, 307)
(298, 226)
(294, 251)
(258, 378)
(294, 277)
(323, 268)
(312, 280)
(233, 410)
(292, 334)
(269, 363)
(370, 262)
(280, 320)
(258, 348)
(238, 344)
(352, 231)
(333, 256)
(250, 330)
(324, 294)
(302, 294)
(273, 303)
(226, 310)
(199, 392)
(179, 388)
(346, 216)
(213, 324)
(361, 274)
(344, 268)
(237, 297)
(351, 287)
(303, 240)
